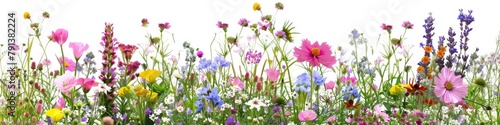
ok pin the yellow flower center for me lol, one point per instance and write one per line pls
(448, 85)
(66, 64)
(315, 51)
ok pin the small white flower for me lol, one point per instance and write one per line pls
(3, 102)
(226, 106)
(97, 122)
(255, 120)
(261, 118)
(153, 117)
(249, 118)
(237, 101)
(197, 116)
(165, 119)
(255, 103)
(291, 123)
(180, 108)
(244, 96)
(157, 112)
(169, 100)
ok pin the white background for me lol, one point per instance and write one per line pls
(194, 20)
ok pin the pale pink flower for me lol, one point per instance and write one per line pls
(307, 115)
(330, 85)
(450, 87)
(46, 62)
(379, 111)
(60, 36)
(78, 48)
(315, 54)
(272, 74)
(330, 119)
(234, 81)
(65, 82)
(68, 64)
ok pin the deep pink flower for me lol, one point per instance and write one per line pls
(264, 26)
(307, 115)
(68, 64)
(315, 54)
(127, 51)
(164, 26)
(60, 103)
(39, 108)
(407, 25)
(145, 22)
(223, 26)
(60, 36)
(234, 81)
(199, 54)
(330, 85)
(86, 83)
(272, 74)
(386, 27)
(78, 48)
(349, 79)
(449, 87)
(65, 82)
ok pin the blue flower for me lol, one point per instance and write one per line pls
(318, 79)
(303, 79)
(215, 98)
(221, 62)
(199, 104)
(350, 91)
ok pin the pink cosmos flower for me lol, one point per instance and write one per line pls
(236, 82)
(386, 27)
(60, 103)
(68, 64)
(280, 34)
(379, 111)
(46, 62)
(60, 36)
(330, 85)
(307, 115)
(330, 119)
(272, 74)
(65, 82)
(86, 83)
(78, 48)
(449, 87)
(315, 54)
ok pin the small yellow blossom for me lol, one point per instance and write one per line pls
(27, 15)
(55, 114)
(397, 89)
(141, 93)
(150, 75)
(256, 6)
(124, 91)
(153, 96)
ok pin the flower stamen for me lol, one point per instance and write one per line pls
(448, 85)
(315, 51)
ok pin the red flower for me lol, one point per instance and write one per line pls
(350, 104)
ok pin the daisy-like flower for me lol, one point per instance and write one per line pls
(65, 82)
(407, 25)
(315, 54)
(68, 64)
(170, 99)
(307, 115)
(450, 87)
(255, 103)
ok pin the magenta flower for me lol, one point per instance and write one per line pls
(330, 85)
(234, 81)
(346, 79)
(144, 22)
(386, 27)
(65, 82)
(272, 74)
(243, 22)
(164, 26)
(280, 34)
(449, 87)
(307, 115)
(60, 103)
(127, 51)
(223, 26)
(315, 54)
(68, 63)
(60, 36)
(78, 48)
(86, 83)
(199, 54)
(407, 25)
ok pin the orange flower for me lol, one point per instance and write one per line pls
(440, 54)
(415, 89)
(429, 102)
(350, 104)
(426, 59)
(420, 69)
(428, 49)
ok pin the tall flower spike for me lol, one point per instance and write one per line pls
(108, 74)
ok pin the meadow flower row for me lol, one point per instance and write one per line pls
(266, 79)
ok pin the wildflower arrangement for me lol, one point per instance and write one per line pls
(269, 78)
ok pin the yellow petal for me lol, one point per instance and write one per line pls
(55, 114)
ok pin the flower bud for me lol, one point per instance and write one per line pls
(33, 65)
(259, 86)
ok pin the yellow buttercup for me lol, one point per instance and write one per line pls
(150, 75)
(55, 114)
